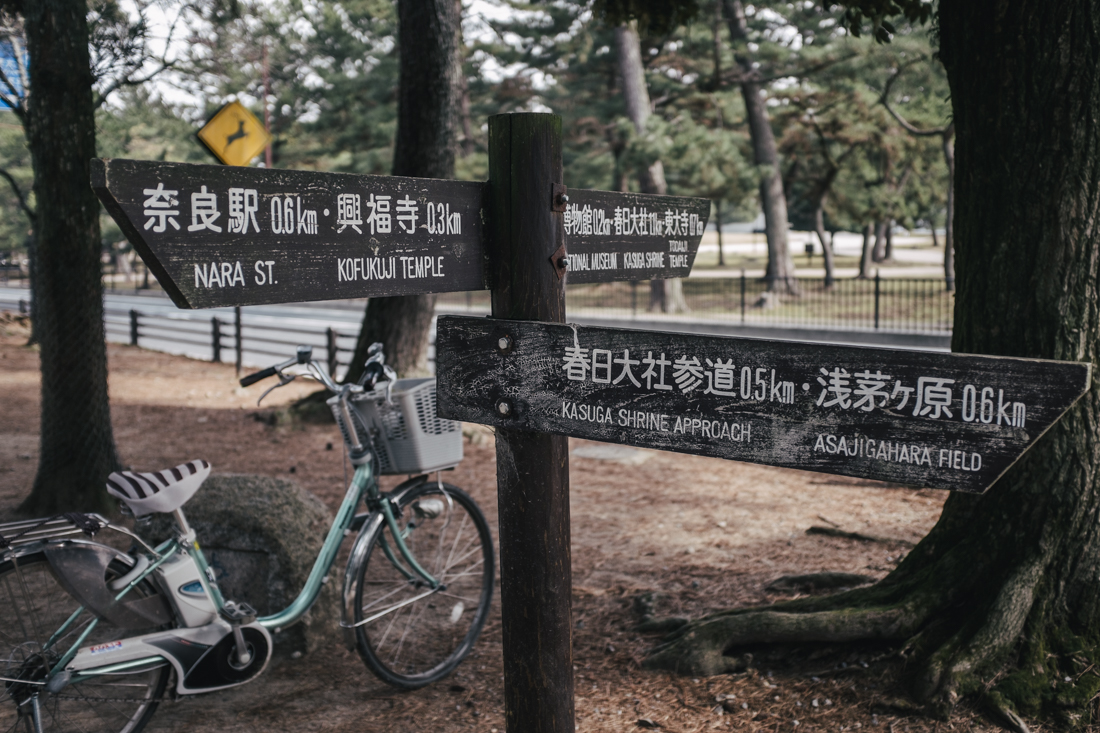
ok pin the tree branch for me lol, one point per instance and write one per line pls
(884, 100)
(11, 96)
(128, 81)
(19, 195)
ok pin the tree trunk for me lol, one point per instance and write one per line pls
(879, 252)
(428, 102)
(999, 600)
(867, 256)
(949, 226)
(826, 245)
(718, 228)
(780, 269)
(663, 296)
(32, 270)
(77, 441)
(888, 251)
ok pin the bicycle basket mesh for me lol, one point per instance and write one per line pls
(409, 437)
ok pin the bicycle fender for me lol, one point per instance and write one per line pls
(355, 559)
(81, 569)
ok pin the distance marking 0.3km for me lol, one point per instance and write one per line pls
(217, 236)
(918, 418)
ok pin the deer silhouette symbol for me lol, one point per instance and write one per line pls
(240, 133)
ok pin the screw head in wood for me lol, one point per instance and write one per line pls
(564, 198)
(504, 407)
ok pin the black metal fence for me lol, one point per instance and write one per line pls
(219, 339)
(909, 305)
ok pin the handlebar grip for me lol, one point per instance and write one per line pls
(371, 375)
(262, 374)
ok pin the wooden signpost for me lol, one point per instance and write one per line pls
(945, 421)
(630, 236)
(219, 236)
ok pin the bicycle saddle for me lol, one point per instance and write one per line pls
(162, 491)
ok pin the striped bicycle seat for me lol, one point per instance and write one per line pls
(161, 491)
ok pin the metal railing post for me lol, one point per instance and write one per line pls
(330, 342)
(134, 327)
(742, 295)
(240, 337)
(878, 292)
(216, 339)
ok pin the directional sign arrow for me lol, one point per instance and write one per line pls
(632, 236)
(217, 236)
(946, 421)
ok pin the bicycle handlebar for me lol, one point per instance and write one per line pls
(262, 374)
(374, 371)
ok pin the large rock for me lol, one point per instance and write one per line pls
(261, 536)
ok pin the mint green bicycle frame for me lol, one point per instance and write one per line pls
(363, 483)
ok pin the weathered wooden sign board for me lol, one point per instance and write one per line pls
(629, 236)
(945, 421)
(220, 236)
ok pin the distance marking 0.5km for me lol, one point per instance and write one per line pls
(945, 421)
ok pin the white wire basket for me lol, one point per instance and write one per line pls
(408, 435)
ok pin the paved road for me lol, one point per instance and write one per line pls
(270, 332)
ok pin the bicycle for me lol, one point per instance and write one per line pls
(91, 637)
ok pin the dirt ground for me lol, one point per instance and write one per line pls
(700, 534)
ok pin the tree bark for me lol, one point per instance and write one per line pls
(999, 600)
(780, 269)
(949, 225)
(428, 102)
(867, 256)
(879, 251)
(718, 228)
(826, 245)
(77, 441)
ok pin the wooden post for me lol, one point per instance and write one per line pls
(216, 340)
(330, 344)
(239, 337)
(532, 468)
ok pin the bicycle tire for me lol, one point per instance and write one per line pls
(32, 606)
(423, 641)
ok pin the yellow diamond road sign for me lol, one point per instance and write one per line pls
(234, 135)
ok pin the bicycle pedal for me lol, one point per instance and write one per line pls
(238, 614)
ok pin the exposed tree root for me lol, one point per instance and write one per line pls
(952, 640)
(703, 648)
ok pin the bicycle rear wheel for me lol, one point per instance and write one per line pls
(408, 635)
(32, 607)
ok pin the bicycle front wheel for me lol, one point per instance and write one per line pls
(408, 634)
(32, 607)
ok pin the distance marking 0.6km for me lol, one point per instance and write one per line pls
(919, 418)
(217, 236)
